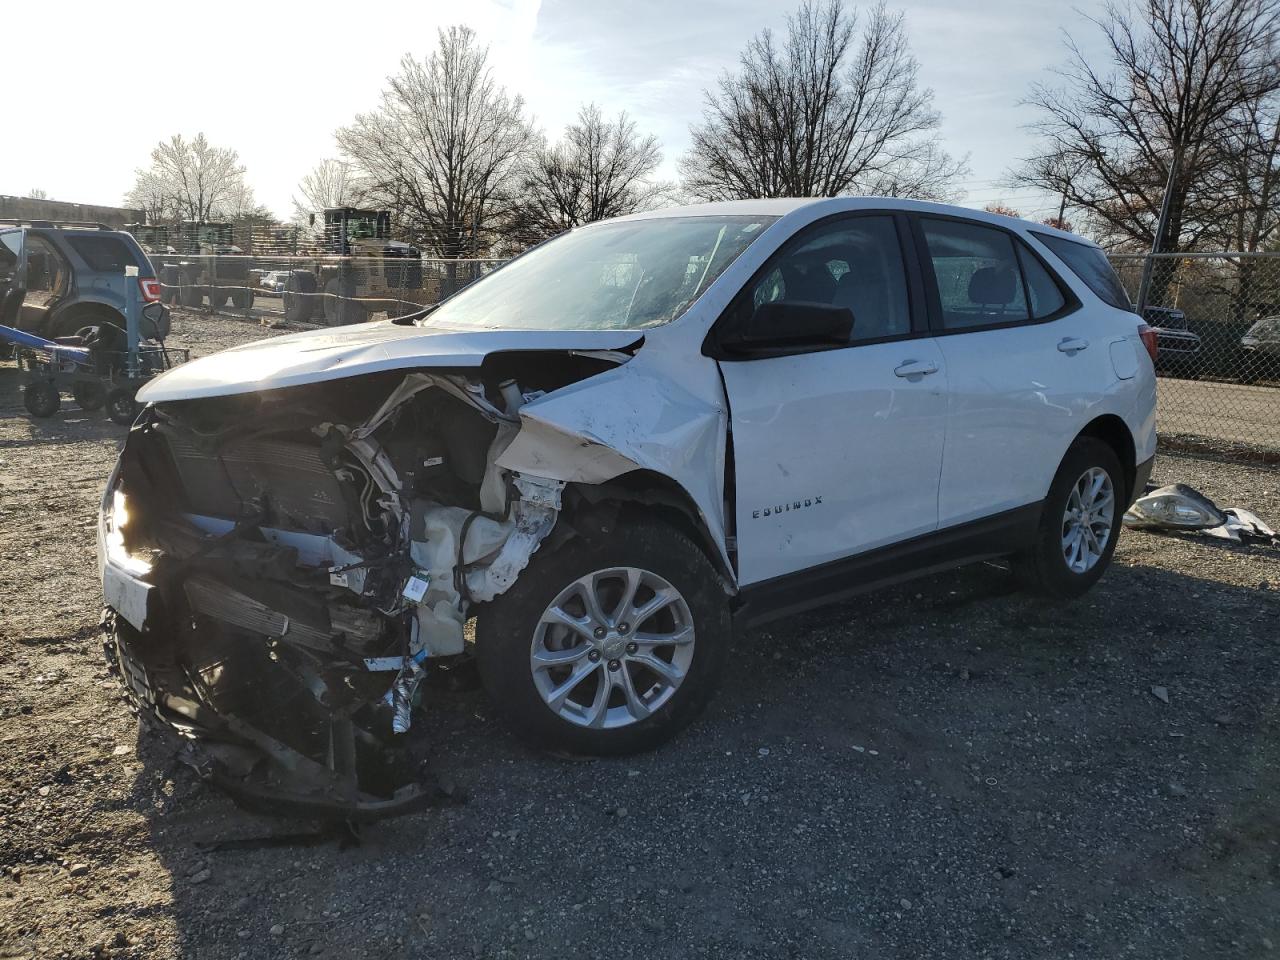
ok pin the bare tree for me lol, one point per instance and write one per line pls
(443, 147)
(191, 180)
(1186, 80)
(599, 169)
(830, 111)
(36, 193)
(331, 183)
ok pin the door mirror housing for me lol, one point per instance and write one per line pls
(789, 326)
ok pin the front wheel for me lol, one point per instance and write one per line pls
(122, 408)
(1079, 525)
(609, 647)
(41, 398)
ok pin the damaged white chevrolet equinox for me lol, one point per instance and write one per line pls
(608, 453)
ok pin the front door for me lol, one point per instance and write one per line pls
(837, 450)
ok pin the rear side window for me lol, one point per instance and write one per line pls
(1091, 265)
(107, 254)
(1044, 295)
(979, 278)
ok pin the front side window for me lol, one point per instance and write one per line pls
(1090, 264)
(611, 276)
(855, 263)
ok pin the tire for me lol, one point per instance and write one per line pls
(1044, 567)
(41, 398)
(299, 299)
(509, 629)
(339, 310)
(242, 298)
(122, 408)
(89, 395)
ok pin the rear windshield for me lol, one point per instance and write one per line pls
(1091, 265)
(106, 254)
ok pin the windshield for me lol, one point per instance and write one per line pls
(613, 276)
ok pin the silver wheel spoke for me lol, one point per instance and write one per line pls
(660, 599)
(599, 709)
(591, 600)
(557, 697)
(544, 658)
(635, 706)
(622, 611)
(677, 639)
(580, 626)
(666, 671)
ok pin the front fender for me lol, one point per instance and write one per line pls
(623, 420)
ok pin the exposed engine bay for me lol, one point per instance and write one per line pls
(306, 553)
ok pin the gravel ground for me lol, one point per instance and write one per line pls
(947, 770)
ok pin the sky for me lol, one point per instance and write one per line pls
(273, 80)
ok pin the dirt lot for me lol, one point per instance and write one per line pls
(944, 770)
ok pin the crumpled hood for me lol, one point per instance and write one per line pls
(321, 355)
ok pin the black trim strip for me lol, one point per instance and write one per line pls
(994, 536)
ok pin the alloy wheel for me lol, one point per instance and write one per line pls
(612, 647)
(1087, 521)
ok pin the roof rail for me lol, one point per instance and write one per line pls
(62, 224)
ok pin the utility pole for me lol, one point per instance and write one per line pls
(1161, 226)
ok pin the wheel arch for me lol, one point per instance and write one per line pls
(71, 317)
(1115, 433)
(591, 508)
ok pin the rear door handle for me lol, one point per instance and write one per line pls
(1072, 345)
(915, 368)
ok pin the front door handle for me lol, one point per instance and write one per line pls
(1072, 345)
(915, 368)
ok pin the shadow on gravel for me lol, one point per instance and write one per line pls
(946, 769)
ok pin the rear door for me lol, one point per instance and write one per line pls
(1020, 368)
(13, 275)
(837, 450)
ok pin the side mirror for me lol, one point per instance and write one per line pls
(788, 325)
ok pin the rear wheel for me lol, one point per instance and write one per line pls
(609, 647)
(1079, 525)
(41, 398)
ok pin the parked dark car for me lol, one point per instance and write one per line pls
(75, 278)
(1260, 351)
(1178, 349)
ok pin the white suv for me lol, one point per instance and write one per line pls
(610, 452)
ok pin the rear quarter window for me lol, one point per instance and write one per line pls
(106, 254)
(1091, 265)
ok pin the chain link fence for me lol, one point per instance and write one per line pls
(1217, 317)
(1217, 320)
(311, 290)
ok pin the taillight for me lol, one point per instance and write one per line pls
(150, 288)
(1148, 335)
